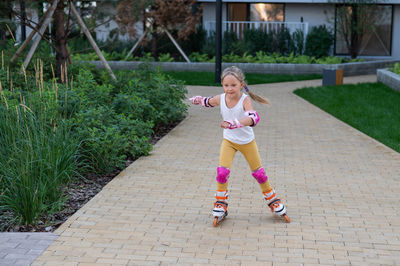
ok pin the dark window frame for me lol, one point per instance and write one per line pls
(347, 54)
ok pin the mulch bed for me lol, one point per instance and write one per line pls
(81, 190)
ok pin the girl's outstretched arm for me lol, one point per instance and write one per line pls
(206, 101)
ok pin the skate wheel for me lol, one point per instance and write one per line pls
(286, 218)
(215, 223)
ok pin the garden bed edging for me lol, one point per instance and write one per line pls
(389, 78)
(349, 69)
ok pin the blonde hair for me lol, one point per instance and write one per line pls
(239, 75)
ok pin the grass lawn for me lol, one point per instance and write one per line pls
(372, 108)
(208, 78)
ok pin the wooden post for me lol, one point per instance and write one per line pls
(92, 42)
(339, 77)
(41, 31)
(177, 45)
(136, 44)
(25, 43)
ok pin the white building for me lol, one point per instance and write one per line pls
(106, 29)
(297, 14)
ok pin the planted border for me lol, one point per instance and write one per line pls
(350, 69)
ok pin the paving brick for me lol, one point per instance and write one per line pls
(20, 257)
(7, 261)
(23, 262)
(113, 261)
(8, 245)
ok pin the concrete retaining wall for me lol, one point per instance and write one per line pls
(349, 69)
(389, 78)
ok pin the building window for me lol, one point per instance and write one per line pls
(376, 33)
(255, 12)
(266, 12)
(237, 12)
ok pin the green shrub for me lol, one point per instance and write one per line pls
(302, 59)
(115, 120)
(298, 41)
(109, 138)
(330, 60)
(396, 68)
(147, 57)
(155, 86)
(209, 45)
(165, 58)
(245, 58)
(230, 43)
(197, 57)
(106, 134)
(133, 105)
(284, 41)
(194, 41)
(319, 42)
(91, 56)
(90, 92)
(256, 40)
(80, 44)
(262, 57)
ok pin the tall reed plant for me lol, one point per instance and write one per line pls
(36, 163)
(38, 154)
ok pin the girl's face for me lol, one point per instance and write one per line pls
(231, 85)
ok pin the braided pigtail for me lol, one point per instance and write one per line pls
(255, 97)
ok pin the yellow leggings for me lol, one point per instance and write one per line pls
(249, 151)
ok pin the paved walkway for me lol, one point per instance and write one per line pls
(23, 248)
(340, 186)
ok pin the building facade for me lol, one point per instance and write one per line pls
(381, 42)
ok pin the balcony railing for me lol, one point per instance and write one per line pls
(240, 26)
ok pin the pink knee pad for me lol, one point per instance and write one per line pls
(222, 174)
(260, 175)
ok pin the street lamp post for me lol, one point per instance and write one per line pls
(218, 47)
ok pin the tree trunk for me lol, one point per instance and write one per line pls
(60, 42)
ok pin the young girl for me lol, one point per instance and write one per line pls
(238, 119)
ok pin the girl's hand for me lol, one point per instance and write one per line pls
(231, 124)
(225, 124)
(196, 100)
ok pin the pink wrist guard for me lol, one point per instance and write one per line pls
(234, 124)
(206, 102)
(254, 116)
